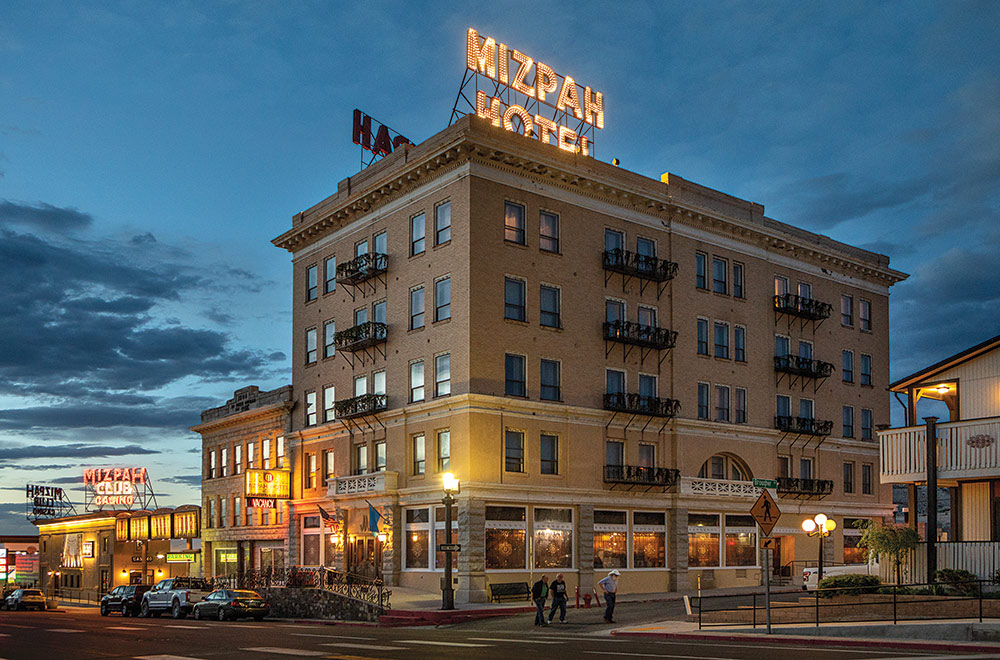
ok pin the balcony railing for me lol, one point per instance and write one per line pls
(718, 487)
(803, 425)
(801, 366)
(359, 406)
(637, 334)
(966, 450)
(804, 488)
(362, 268)
(639, 404)
(360, 336)
(640, 475)
(639, 265)
(376, 482)
(807, 308)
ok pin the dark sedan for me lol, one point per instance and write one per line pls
(124, 600)
(227, 604)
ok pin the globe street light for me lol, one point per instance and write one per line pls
(819, 526)
(451, 488)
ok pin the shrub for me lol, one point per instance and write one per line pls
(957, 582)
(849, 585)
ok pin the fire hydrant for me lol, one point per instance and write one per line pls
(586, 600)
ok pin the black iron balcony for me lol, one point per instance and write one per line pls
(803, 425)
(360, 336)
(627, 332)
(639, 475)
(639, 265)
(362, 268)
(359, 406)
(804, 488)
(639, 404)
(801, 366)
(807, 308)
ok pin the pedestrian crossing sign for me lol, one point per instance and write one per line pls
(766, 512)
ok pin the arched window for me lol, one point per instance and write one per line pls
(725, 466)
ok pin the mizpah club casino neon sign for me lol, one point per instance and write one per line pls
(535, 84)
(114, 487)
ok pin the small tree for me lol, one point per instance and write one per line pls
(881, 538)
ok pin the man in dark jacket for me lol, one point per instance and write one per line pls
(559, 598)
(539, 592)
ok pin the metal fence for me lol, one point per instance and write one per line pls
(348, 585)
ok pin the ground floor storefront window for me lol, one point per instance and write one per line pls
(553, 538)
(718, 540)
(505, 538)
(741, 541)
(610, 539)
(649, 533)
(311, 538)
(703, 540)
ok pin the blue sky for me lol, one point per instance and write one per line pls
(149, 152)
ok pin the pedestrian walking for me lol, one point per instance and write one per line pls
(610, 587)
(559, 598)
(539, 593)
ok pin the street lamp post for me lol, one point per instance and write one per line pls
(451, 488)
(819, 526)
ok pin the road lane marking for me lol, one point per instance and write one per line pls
(702, 642)
(282, 651)
(329, 636)
(165, 657)
(520, 641)
(64, 630)
(429, 642)
(124, 628)
(185, 627)
(646, 655)
(366, 647)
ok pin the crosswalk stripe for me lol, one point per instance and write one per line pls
(520, 641)
(429, 642)
(366, 647)
(328, 636)
(281, 651)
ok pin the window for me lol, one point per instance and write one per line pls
(553, 543)
(550, 378)
(805, 350)
(442, 375)
(614, 310)
(380, 456)
(740, 343)
(740, 405)
(513, 217)
(848, 477)
(330, 275)
(378, 382)
(513, 298)
(442, 223)
(738, 291)
(378, 314)
(222, 512)
(805, 290)
(381, 243)
(805, 468)
(418, 454)
(866, 369)
(614, 452)
(549, 306)
(649, 532)
(311, 471)
(416, 381)
(866, 478)
(548, 232)
(513, 451)
(442, 299)
(416, 308)
(549, 453)
(251, 458)
(329, 331)
(647, 455)
(614, 381)
(614, 241)
(514, 375)
(310, 345)
(782, 346)
(846, 310)
(647, 385)
(506, 541)
(721, 340)
(360, 459)
(418, 225)
(209, 514)
(280, 451)
(702, 336)
(866, 424)
(360, 316)
(329, 472)
(444, 450)
(647, 316)
(360, 385)
(719, 275)
(704, 540)
(722, 403)
(865, 315)
(783, 406)
(610, 540)
(780, 285)
(417, 543)
(266, 454)
(703, 400)
(741, 541)
(211, 464)
(806, 408)
(310, 408)
(785, 467)
(701, 270)
(312, 284)
(847, 366)
(848, 418)
(238, 459)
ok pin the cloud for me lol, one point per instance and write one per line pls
(43, 216)
(70, 416)
(184, 479)
(9, 452)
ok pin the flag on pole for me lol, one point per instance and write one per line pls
(373, 518)
(326, 516)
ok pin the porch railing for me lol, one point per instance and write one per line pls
(981, 558)
(966, 450)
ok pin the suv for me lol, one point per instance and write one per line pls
(175, 595)
(22, 599)
(124, 599)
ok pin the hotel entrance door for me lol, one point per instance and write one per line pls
(364, 556)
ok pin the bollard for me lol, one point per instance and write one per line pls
(578, 597)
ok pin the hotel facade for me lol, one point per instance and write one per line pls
(606, 362)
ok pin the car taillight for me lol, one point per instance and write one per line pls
(236, 603)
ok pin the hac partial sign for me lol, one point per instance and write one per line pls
(494, 60)
(383, 143)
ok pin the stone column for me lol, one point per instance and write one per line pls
(292, 536)
(471, 571)
(585, 549)
(391, 550)
(677, 550)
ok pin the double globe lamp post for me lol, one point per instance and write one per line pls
(451, 488)
(819, 526)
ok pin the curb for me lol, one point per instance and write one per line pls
(818, 641)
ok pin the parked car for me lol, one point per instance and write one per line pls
(22, 599)
(175, 595)
(226, 604)
(125, 599)
(810, 576)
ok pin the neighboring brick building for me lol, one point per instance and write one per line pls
(246, 433)
(488, 305)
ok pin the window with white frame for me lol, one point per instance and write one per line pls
(361, 458)
(704, 538)
(280, 451)
(722, 403)
(442, 375)
(312, 285)
(721, 340)
(553, 538)
(330, 275)
(380, 456)
(416, 308)
(329, 401)
(741, 540)
(310, 345)
(310, 408)
(361, 385)
(442, 299)
(444, 450)
(548, 232)
(740, 405)
(224, 461)
(649, 539)
(610, 539)
(238, 459)
(442, 223)
(506, 546)
(329, 345)
(419, 455)
(418, 227)
(416, 381)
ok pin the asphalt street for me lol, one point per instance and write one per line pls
(82, 634)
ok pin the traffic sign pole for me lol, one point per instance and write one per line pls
(767, 583)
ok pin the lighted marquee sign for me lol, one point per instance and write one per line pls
(181, 557)
(266, 486)
(46, 502)
(119, 487)
(537, 84)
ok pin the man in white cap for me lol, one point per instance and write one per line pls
(610, 587)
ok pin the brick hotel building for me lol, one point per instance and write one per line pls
(605, 360)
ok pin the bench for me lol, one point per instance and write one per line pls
(509, 591)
